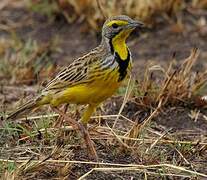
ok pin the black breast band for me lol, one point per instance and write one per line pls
(123, 65)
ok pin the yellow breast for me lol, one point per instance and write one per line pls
(89, 93)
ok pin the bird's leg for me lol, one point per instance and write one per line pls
(83, 125)
(87, 114)
(73, 122)
(89, 143)
(76, 114)
(59, 121)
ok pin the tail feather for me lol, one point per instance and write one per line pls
(25, 108)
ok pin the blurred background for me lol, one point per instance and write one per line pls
(37, 36)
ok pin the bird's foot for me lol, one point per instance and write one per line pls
(89, 143)
(59, 121)
(84, 131)
(63, 116)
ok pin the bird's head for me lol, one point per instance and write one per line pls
(121, 25)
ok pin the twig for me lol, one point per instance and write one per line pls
(155, 142)
(120, 166)
(117, 137)
(152, 115)
(101, 9)
(126, 96)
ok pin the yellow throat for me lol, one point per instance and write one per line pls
(119, 44)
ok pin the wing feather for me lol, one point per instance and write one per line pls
(77, 72)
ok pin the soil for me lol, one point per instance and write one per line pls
(159, 44)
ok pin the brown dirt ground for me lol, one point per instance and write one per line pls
(157, 44)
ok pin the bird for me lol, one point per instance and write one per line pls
(92, 78)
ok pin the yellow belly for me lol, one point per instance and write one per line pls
(88, 93)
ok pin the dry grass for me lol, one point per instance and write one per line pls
(176, 84)
(199, 3)
(128, 147)
(39, 152)
(141, 9)
(94, 12)
(21, 62)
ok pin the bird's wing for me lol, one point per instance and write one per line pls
(76, 73)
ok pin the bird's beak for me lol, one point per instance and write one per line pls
(135, 24)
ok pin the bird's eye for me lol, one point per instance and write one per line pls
(114, 25)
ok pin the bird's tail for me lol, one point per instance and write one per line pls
(27, 107)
